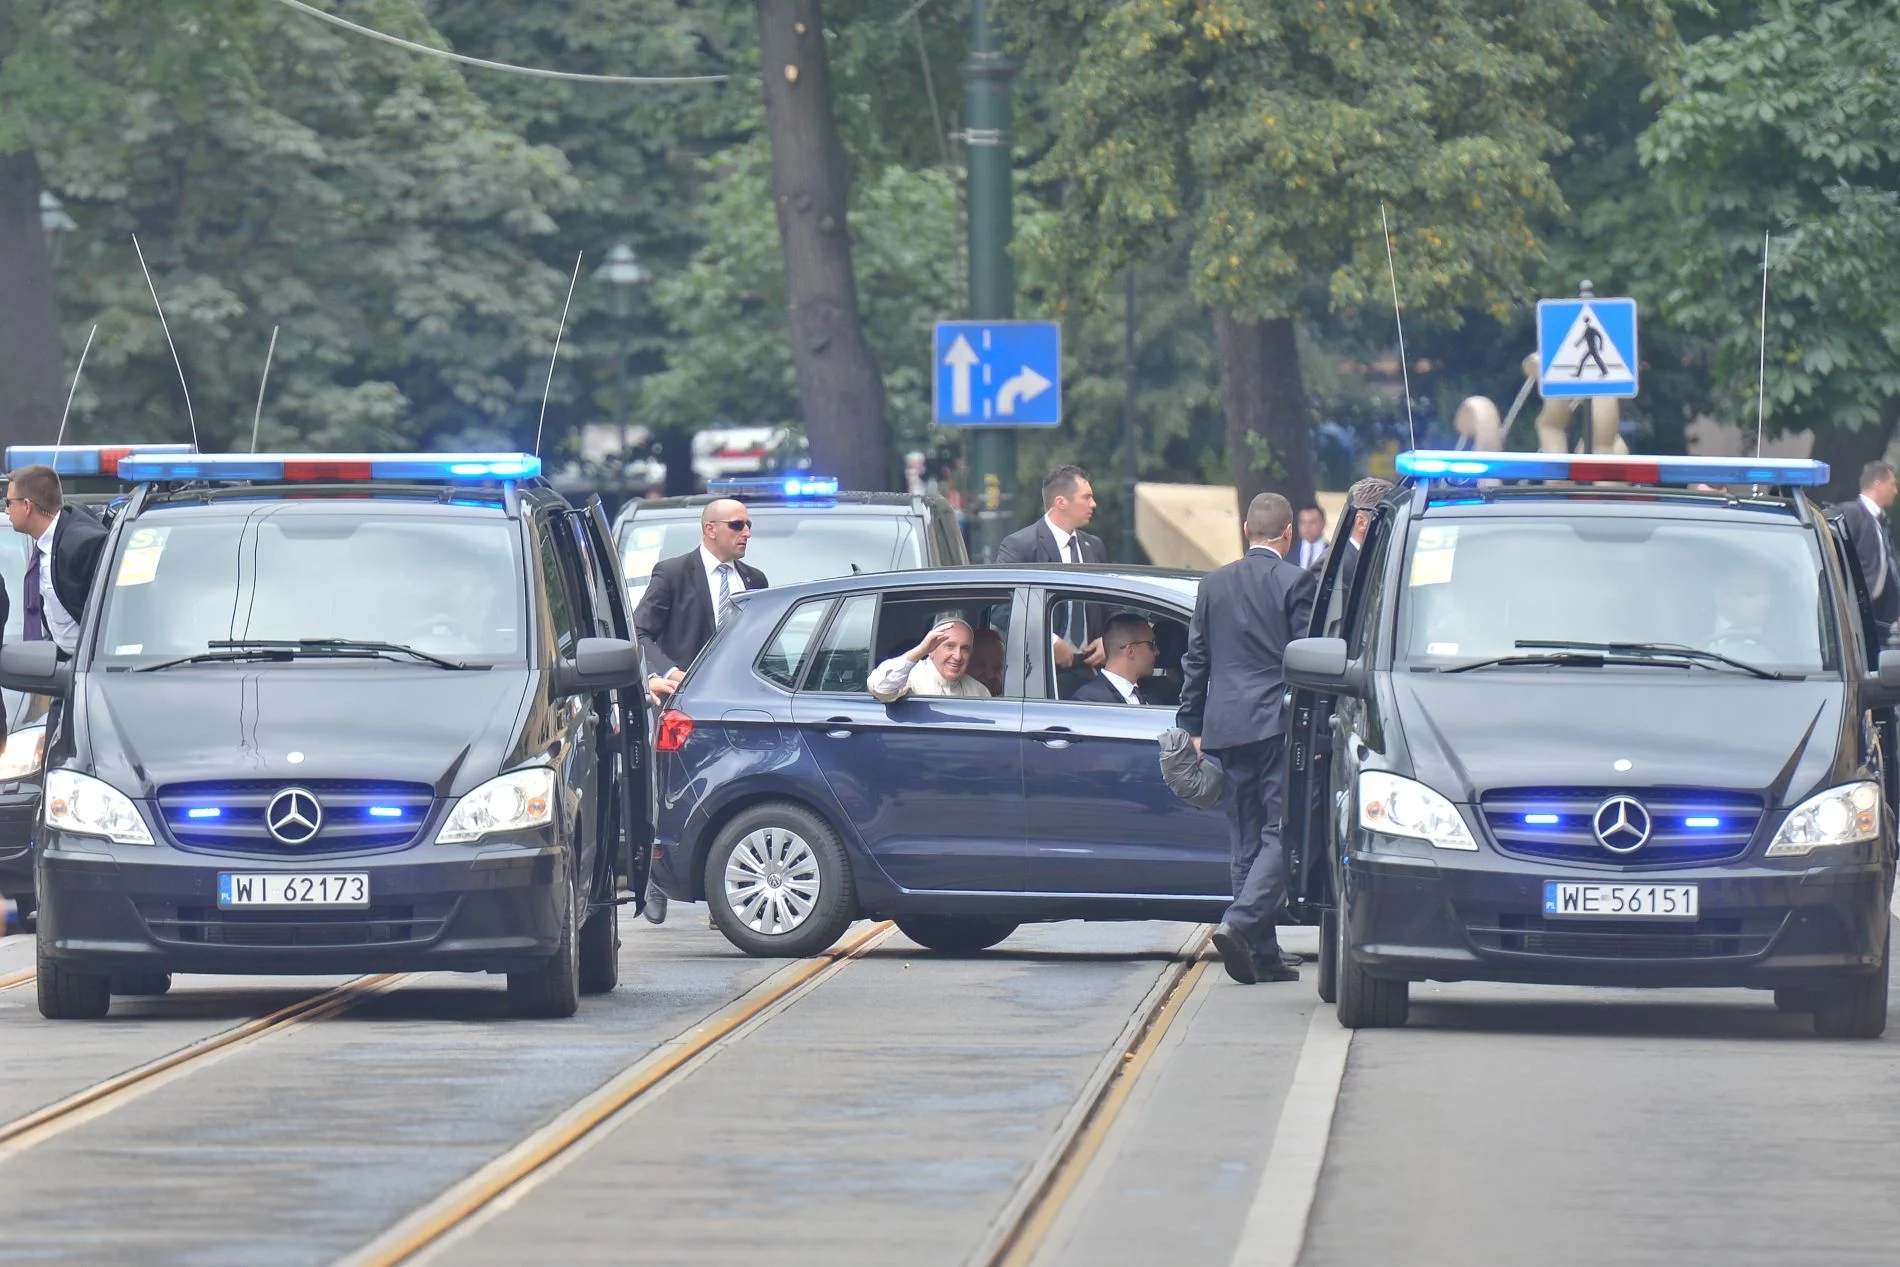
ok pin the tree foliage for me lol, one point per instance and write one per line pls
(1790, 126)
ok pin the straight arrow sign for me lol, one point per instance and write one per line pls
(960, 358)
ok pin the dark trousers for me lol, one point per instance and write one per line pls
(1256, 781)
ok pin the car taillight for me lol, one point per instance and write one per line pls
(675, 729)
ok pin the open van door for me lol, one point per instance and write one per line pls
(1874, 639)
(1306, 831)
(626, 748)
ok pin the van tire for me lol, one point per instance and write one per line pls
(1858, 1007)
(147, 985)
(66, 995)
(600, 950)
(1795, 1000)
(808, 858)
(1328, 956)
(1364, 1001)
(955, 934)
(553, 990)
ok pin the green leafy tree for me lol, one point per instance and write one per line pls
(1792, 126)
(1267, 134)
(359, 197)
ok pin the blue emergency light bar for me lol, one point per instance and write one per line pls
(331, 468)
(82, 459)
(788, 486)
(1611, 468)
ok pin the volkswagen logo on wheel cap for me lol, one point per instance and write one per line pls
(294, 816)
(1622, 824)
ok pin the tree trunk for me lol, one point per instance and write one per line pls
(1845, 451)
(1264, 398)
(840, 389)
(32, 380)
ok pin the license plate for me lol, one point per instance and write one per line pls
(1619, 901)
(286, 890)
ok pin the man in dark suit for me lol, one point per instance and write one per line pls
(1129, 643)
(1866, 521)
(1231, 688)
(1068, 502)
(686, 601)
(67, 542)
(1310, 550)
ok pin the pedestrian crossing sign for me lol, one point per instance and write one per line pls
(1586, 347)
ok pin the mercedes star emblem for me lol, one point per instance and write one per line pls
(294, 816)
(1622, 824)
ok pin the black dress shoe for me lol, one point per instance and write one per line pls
(1235, 954)
(655, 908)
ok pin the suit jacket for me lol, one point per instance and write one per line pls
(1098, 690)
(1036, 544)
(1865, 531)
(1231, 675)
(674, 620)
(78, 540)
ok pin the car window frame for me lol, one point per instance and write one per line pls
(831, 604)
(1012, 640)
(546, 529)
(1038, 599)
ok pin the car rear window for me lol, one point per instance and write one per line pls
(450, 585)
(788, 546)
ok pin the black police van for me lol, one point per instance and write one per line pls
(1597, 720)
(803, 529)
(341, 714)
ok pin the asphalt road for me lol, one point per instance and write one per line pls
(904, 1107)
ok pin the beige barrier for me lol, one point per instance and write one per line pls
(1197, 526)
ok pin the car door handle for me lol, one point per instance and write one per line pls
(840, 727)
(1053, 737)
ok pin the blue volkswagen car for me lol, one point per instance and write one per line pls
(793, 802)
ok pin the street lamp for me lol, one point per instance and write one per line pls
(623, 272)
(54, 222)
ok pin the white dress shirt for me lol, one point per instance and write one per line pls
(900, 676)
(1121, 684)
(1063, 537)
(59, 622)
(1310, 550)
(736, 585)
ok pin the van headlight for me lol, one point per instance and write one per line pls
(85, 806)
(1403, 807)
(512, 802)
(1845, 815)
(26, 748)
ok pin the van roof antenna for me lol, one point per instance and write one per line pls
(557, 352)
(258, 417)
(166, 327)
(74, 390)
(1761, 367)
(1405, 371)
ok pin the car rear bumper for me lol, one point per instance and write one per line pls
(1480, 917)
(484, 908)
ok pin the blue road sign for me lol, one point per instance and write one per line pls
(998, 373)
(1586, 347)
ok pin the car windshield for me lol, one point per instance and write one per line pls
(446, 585)
(788, 546)
(1475, 591)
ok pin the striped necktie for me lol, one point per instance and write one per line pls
(723, 607)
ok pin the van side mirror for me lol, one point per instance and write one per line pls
(35, 668)
(1885, 683)
(1322, 665)
(599, 664)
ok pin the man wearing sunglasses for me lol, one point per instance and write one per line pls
(67, 542)
(687, 600)
(1129, 642)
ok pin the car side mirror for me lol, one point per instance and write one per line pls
(1322, 665)
(35, 668)
(599, 664)
(1885, 683)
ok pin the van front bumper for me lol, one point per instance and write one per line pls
(1424, 914)
(490, 907)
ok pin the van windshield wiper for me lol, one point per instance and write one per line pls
(1575, 659)
(305, 648)
(1672, 650)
